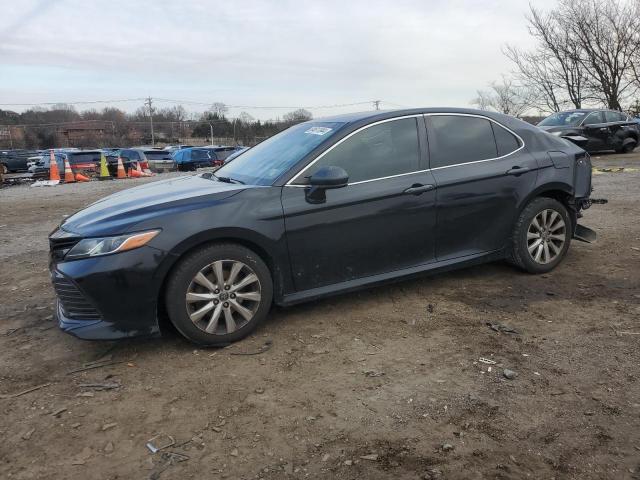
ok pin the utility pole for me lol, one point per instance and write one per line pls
(211, 130)
(149, 104)
(376, 103)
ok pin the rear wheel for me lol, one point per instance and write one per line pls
(541, 236)
(219, 294)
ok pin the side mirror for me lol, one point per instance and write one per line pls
(324, 179)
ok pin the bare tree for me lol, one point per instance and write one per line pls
(300, 115)
(504, 97)
(552, 71)
(246, 118)
(219, 109)
(606, 33)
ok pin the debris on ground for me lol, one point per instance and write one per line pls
(109, 426)
(160, 442)
(23, 392)
(100, 386)
(91, 366)
(373, 373)
(267, 345)
(500, 328)
(371, 457)
(446, 447)
(509, 374)
(487, 361)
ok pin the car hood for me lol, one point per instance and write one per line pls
(121, 212)
(561, 128)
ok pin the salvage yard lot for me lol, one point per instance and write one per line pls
(385, 383)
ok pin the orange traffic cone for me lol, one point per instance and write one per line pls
(142, 172)
(68, 174)
(53, 167)
(121, 172)
(134, 172)
(82, 178)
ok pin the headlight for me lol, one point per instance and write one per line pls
(93, 247)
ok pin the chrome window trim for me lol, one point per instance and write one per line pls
(522, 145)
(417, 115)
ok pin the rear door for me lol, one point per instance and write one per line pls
(482, 173)
(383, 220)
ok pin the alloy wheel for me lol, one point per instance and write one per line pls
(546, 236)
(223, 297)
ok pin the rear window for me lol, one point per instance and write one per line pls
(223, 153)
(84, 157)
(507, 142)
(157, 155)
(200, 155)
(456, 139)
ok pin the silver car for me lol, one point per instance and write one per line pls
(157, 160)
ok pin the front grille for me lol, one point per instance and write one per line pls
(74, 304)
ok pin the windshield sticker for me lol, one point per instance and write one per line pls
(319, 130)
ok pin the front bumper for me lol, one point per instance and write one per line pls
(109, 297)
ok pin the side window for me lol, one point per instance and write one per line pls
(593, 118)
(382, 150)
(505, 140)
(125, 154)
(457, 139)
(611, 117)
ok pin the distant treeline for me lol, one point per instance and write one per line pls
(63, 126)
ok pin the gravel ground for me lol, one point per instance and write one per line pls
(385, 383)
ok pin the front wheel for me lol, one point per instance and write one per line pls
(541, 236)
(219, 294)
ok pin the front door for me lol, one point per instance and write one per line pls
(597, 132)
(384, 220)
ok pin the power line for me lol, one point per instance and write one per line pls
(88, 102)
(188, 102)
(315, 107)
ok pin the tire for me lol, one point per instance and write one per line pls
(629, 147)
(527, 236)
(187, 314)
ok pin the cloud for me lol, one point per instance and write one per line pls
(260, 52)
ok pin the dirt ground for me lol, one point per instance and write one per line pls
(385, 383)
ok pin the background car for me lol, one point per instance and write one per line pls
(16, 160)
(594, 130)
(159, 160)
(130, 158)
(238, 151)
(173, 148)
(84, 161)
(197, 157)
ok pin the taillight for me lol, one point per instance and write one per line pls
(144, 164)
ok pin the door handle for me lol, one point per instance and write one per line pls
(517, 170)
(418, 189)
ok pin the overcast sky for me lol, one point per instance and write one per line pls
(256, 53)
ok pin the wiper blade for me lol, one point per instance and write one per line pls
(228, 179)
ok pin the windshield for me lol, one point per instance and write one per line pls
(562, 119)
(265, 162)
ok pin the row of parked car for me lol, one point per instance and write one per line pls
(175, 157)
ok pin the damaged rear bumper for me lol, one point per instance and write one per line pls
(584, 234)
